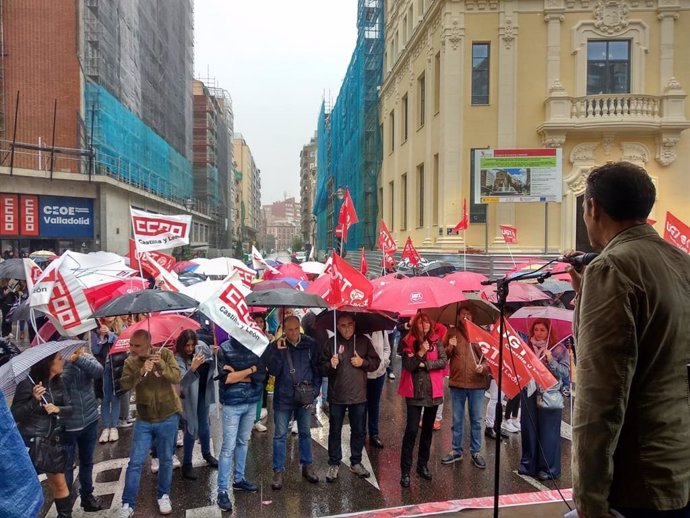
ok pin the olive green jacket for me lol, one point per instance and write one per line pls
(631, 429)
(156, 393)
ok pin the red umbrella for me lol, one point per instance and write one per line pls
(286, 270)
(561, 319)
(518, 292)
(408, 295)
(164, 329)
(99, 295)
(466, 281)
(184, 265)
(47, 333)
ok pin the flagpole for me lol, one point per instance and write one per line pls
(511, 254)
(464, 250)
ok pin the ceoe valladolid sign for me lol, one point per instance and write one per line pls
(62, 216)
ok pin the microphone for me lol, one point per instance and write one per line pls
(578, 261)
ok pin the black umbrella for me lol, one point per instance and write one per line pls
(22, 312)
(437, 269)
(145, 301)
(189, 278)
(365, 322)
(285, 297)
(12, 269)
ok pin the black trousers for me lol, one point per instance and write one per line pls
(513, 407)
(652, 513)
(413, 415)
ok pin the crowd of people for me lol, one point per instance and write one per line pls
(626, 435)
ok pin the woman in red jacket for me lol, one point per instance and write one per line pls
(421, 384)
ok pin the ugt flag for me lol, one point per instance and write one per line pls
(410, 253)
(347, 216)
(509, 233)
(386, 242)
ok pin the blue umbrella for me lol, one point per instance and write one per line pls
(17, 369)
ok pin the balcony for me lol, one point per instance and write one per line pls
(663, 115)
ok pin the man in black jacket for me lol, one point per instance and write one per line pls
(293, 359)
(346, 361)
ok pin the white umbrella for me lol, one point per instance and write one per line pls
(202, 290)
(221, 266)
(313, 267)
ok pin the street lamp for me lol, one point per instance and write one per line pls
(189, 204)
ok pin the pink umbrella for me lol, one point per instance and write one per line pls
(47, 333)
(286, 270)
(163, 327)
(99, 295)
(518, 292)
(561, 319)
(408, 295)
(466, 281)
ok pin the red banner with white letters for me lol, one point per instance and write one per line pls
(386, 242)
(509, 233)
(677, 233)
(9, 215)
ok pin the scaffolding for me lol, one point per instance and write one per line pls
(349, 137)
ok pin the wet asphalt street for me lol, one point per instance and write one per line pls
(348, 494)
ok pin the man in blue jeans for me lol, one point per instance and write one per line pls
(346, 361)
(153, 374)
(241, 385)
(468, 381)
(293, 358)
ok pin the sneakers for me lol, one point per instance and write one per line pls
(125, 423)
(478, 461)
(164, 505)
(223, 501)
(509, 426)
(360, 471)
(180, 438)
(113, 435)
(259, 427)
(293, 428)
(176, 462)
(451, 457)
(566, 391)
(126, 511)
(437, 424)
(264, 413)
(105, 436)
(155, 465)
(244, 485)
(332, 473)
(391, 375)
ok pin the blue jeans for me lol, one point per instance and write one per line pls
(110, 405)
(281, 419)
(238, 421)
(163, 434)
(475, 401)
(204, 432)
(337, 416)
(374, 390)
(85, 439)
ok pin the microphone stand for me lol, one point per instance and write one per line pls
(502, 289)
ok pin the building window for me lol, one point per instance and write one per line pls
(404, 118)
(420, 8)
(391, 197)
(608, 67)
(403, 201)
(434, 192)
(391, 130)
(405, 30)
(410, 21)
(437, 83)
(421, 95)
(480, 73)
(420, 195)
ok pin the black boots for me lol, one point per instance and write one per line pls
(188, 472)
(64, 507)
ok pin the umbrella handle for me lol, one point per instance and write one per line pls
(42, 396)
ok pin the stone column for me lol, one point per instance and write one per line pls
(429, 155)
(667, 16)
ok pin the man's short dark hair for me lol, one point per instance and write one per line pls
(623, 190)
(142, 334)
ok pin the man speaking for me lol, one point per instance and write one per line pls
(631, 432)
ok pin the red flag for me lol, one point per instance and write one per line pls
(410, 253)
(464, 222)
(677, 233)
(509, 234)
(363, 263)
(386, 242)
(166, 261)
(388, 262)
(347, 216)
(347, 286)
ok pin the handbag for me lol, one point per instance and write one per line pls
(48, 454)
(304, 390)
(550, 399)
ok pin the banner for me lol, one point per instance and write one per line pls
(509, 234)
(32, 272)
(166, 261)
(677, 233)
(518, 175)
(165, 280)
(410, 253)
(464, 222)
(388, 262)
(258, 262)
(60, 296)
(228, 309)
(347, 216)
(9, 215)
(386, 242)
(159, 231)
(347, 287)
(66, 217)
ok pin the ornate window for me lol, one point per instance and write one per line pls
(608, 67)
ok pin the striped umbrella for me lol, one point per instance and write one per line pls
(17, 369)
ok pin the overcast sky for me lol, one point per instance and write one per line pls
(277, 59)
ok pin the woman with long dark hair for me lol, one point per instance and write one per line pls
(195, 360)
(542, 409)
(421, 384)
(39, 405)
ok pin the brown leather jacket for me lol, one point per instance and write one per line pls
(463, 366)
